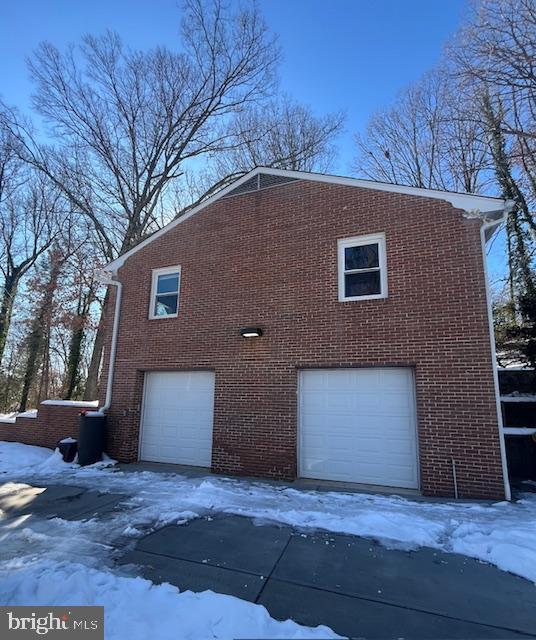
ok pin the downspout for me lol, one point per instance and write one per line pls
(113, 348)
(484, 227)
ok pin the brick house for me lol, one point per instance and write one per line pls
(303, 325)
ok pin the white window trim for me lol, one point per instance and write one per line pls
(382, 261)
(162, 272)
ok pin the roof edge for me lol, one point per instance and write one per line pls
(470, 203)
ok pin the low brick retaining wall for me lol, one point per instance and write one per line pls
(52, 423)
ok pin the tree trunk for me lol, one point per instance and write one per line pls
(6, 309)
(72, 375)
(6, 404)
(36, 340)
(35, 345)
(511, 270)
(91, 391)
(44, 386)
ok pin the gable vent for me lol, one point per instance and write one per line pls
(258, 182)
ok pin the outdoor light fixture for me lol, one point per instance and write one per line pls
(251, 332)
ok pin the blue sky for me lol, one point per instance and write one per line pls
(338, 54)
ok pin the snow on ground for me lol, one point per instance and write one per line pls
(503, 534)
(65, 562)
(21, 458)
(138, 609)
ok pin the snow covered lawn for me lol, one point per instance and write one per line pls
(137, 609)
(72, 562)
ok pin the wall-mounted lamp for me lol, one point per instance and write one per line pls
(251, 332)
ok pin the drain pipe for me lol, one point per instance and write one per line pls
(115, 330)
(454, 479)
(484, 227)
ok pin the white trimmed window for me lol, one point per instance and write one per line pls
(362, 268)
(165, 290)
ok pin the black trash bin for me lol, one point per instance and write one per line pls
(68, 448)
(91, 437)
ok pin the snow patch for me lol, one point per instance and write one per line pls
(31, 413)
(22, 458)
(63, 562)
(71, 403)
(26, 461)
(132, 532)
(11, 418)
(137, 608)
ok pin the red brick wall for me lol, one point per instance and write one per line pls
(269, 259)
(53, 423)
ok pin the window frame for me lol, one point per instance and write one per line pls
(154, 284)
(358, 241)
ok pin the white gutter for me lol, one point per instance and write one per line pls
(111, 364)
(489, 225)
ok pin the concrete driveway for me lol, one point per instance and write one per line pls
(355, 586)
(58, 500)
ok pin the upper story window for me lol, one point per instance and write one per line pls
(362, 268)
(165, 293)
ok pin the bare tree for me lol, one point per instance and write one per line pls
(497, 48)
(82, 281)
(288, 136)
(130, 121)
(424, 140)
(281, 134)
(40, 324)
(493, 59)
(45, 309)
(28, 209)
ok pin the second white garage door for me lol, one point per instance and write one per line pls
(358, 425)
(178, 411)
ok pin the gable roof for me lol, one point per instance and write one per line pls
(264, 177)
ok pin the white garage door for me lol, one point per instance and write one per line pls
(358, 425)
(178, 409)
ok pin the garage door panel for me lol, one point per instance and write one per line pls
(391, 426)
(369, 473)
(341, 402)
(177, 417)
(397, 450)
(314, 402)
(395, 378)
(358, 425)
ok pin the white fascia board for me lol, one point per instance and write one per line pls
(473, 205)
